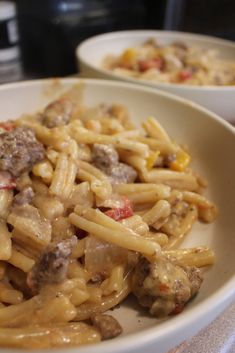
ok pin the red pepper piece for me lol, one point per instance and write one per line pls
(163, 287)
(147, 64)
(6, 181)
(121, 213)
(7, 125)
(185, 75)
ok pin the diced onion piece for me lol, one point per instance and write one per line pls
(101, 257)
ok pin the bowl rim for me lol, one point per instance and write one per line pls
(120, 34)
(210, 306)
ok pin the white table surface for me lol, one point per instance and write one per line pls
(218, 337)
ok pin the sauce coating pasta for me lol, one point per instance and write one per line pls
(91, 210)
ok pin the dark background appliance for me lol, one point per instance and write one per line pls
(50, 30)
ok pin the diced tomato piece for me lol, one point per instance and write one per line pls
(10, 186)
(6, 181)
(7, 125)
(185, 75)
(121, 213)
(163, 287)
(147, 64)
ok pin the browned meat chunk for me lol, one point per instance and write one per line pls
(122, 173)
(107, 325)
(19, 151)
(52, 266)
(24, 197)
(195, 278)
(105, 157)
(165, 287)
(57, 113)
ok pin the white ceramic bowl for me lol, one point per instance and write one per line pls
(212, 144)
(219, 99)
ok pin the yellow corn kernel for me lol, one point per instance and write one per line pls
(152, 159)
(128, 56)
(181, 162)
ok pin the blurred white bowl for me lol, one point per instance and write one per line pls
(212, 144)
(220, 99)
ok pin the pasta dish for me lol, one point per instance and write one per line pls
(173, 63)
(91, 210)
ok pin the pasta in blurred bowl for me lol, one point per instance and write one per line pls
(109, 217)
(193, 66)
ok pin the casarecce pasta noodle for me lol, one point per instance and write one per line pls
(91, 210)
(173, 63)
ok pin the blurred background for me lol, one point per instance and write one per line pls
(43, 34)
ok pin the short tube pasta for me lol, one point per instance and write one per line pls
(49, 336)
(44, 170)
(64, 176)
(137, 224)
(199, 256)
(155, 130)
(86, 310)
(5, 242)
(21, 261)
(82, 135)
(9, 295)
(96, 210)
(126, 189)
(160, 211)
(123, 239)
(6, 197)
(158, 145)
(176, 180)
